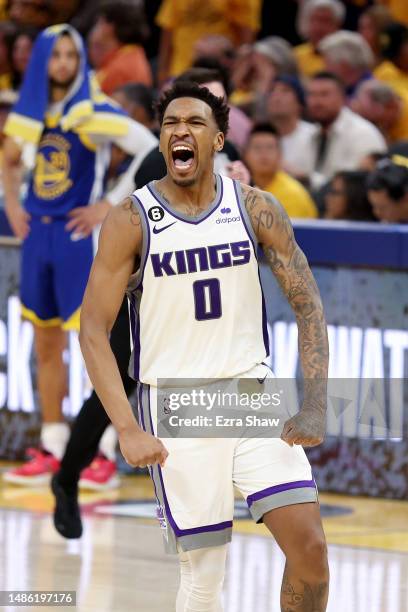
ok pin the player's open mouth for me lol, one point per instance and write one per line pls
(182, 156)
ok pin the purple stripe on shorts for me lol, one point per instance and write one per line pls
(141, 407)
(298, 484)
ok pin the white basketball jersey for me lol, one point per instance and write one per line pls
(196, 306)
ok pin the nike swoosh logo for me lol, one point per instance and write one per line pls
(157, 230)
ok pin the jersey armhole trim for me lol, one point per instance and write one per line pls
(137, 282)
(245, 217)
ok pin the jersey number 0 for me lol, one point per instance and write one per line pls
(207, 299)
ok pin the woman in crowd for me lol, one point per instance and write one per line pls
(21, 53)
(347, 198)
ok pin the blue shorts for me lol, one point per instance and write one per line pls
(54, 273)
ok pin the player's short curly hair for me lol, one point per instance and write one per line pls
(190, 89)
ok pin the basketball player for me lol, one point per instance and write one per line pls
(155, 234)
(92, 420)
(70, 125)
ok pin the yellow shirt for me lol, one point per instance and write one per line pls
(5, 81)
(190, 20)
(389, 73)
(399, 130)
(3, 10)
(308, 60)
(398, 9)
(292, 195)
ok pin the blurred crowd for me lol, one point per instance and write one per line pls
(318, 89)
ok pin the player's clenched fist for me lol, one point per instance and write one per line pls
(141, 449)
(306, 428)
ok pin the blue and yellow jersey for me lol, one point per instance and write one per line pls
(69, 167)
(64, 174)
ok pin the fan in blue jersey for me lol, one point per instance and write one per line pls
(188, 255)
(67, 126)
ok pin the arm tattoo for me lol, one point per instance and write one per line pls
(134, 216)
(289, 265)
(260, 218)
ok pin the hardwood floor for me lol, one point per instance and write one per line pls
(119, 564)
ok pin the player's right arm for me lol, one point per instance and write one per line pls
(119, 243)
(11, 177)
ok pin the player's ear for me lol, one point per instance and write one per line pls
(219, 142)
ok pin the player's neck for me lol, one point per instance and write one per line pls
(198, 196)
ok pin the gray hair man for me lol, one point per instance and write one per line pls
(317, 19)
(349, 57)
(381, 105)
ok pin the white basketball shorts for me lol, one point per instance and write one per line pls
(195, 488)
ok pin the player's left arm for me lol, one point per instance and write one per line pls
(288, 263)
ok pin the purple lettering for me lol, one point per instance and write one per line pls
(241, 252)
(214, 254)
(161, 263)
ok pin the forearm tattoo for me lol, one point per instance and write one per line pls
(289, 265)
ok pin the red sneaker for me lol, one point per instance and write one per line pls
(36, 471)
(100, 475)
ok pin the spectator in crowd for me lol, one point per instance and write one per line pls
(36, 13)
(184, 22)
(138, 101)
(388, 189)
(21, 53)
(348, 55)
(394, 69)
(343, 138)
(264, 159)
(115, 49)
(286, 104)
(370, 25)
(71, 127)
(317, 19)
(7, 36)
(239, 123)
(381, 105)
(256, 69)
(215, 46)
(398, 9)
(346, 197)
(273, 55)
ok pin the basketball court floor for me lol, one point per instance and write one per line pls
(119, 564)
